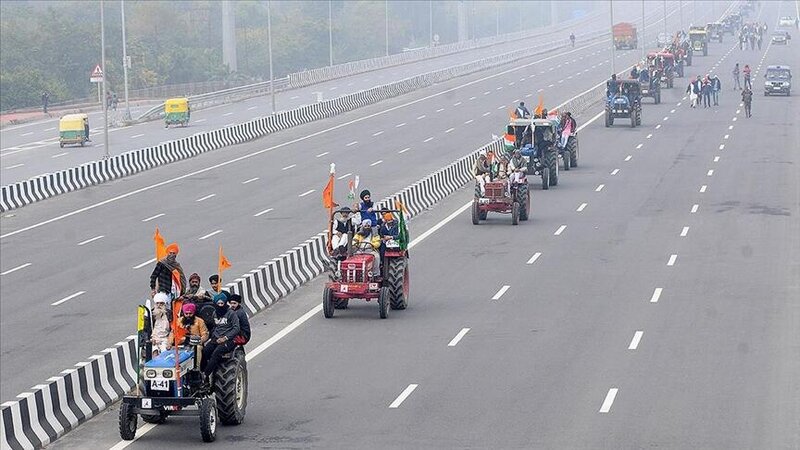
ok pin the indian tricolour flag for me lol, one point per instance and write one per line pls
(508, 141)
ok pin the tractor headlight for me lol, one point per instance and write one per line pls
(150, 373)
(167, 373)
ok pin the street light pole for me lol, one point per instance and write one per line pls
(125, 62)
(105, 76)
(613, 47)
(644, 27)
(386, 23)
(680, 11)
(666, 34)
(330, 32)
(497, 19)
(430, 23)
(269, 45)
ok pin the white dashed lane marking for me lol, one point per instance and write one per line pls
(656, 295)
(637, 337)
(600, 188)
(534, 258)
(672, 259)
(684, 231)
(695, 207)
(403, 396)
(458, 337)
(560, 230)
(500, 292)
(609, 400)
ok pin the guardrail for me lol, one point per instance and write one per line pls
(46, 186)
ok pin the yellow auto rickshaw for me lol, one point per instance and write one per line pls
(73, 129)
(176, 111)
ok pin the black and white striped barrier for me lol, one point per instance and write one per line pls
(50, 185)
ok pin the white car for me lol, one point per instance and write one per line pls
(786, 21)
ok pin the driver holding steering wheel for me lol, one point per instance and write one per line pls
(369, 242)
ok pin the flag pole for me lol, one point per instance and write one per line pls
(331, 183)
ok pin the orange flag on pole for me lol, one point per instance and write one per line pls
(161, 248)
(327, 193)
(540, 107)
(222, 265)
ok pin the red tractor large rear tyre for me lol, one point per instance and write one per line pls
(398, 282)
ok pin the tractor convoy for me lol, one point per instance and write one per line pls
(368, 246)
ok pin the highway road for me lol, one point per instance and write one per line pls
(92, 248)
(663, 314)
(99, 239)
(32, 149)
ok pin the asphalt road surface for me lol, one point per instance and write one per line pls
(87, 255)
(32, 149)
(662, 314)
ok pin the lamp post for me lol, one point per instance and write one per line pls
(105, 77)
(269, 46)
(613, 47)
(330, 33)
(125, 62)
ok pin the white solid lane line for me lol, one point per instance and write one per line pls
(403, 396)
(600, 188)
(703, 188)
(322, 154)
(262, 212)
(656, 295)
(458, 337)
(79, 293)
(637, 336)
(90, 240)
(227, 114)
(136, 136)
(582, 207)
(534, 258)
(59, 155)
(376, 163)
(253, 107)
(615, 171)
(153, 217)
(289, 167)
(199, 120)
(684, 231)
(351, 144)
(15, 166)
(21, 266)
(250, 180)
(206, 197)
(672, 259)
(500, 292)
(27, 134)
(695, 207)
(612, 394)
(344, 176)
(50, 129)
(203, 238)
(307, 192)
(560, 230)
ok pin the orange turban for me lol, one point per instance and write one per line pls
(173, 248)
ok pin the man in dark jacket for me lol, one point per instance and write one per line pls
(235, 302)
(226, 328)
(367, 208)
(161, 278)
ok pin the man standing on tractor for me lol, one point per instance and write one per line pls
(367, 208)
(196, 293)
(522, 112)
(371, 245)
(235, 302)
(226, 328)
(161, 278)
(612, 86)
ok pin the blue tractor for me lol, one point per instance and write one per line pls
(624, 100)
(171, 384)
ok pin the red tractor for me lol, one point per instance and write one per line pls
(502, 196)
(352, 275)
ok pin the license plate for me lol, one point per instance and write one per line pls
(159, 385)
(344, 288)
(483, 200)
(777, 88)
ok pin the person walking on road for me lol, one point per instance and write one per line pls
(716, 87)
(706, 91)
(694, 91)
(45, 101)
(736, 84)
(747, 83)
(747, 99)
(572, 39)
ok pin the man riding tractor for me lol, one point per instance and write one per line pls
(664, 63)
(649, 84)
(625, 103)
(536, 139)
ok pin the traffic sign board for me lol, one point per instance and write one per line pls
(97, 75)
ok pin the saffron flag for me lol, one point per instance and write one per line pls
(540, 107)
(161, 247)
(327, 194)
(223, 263)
